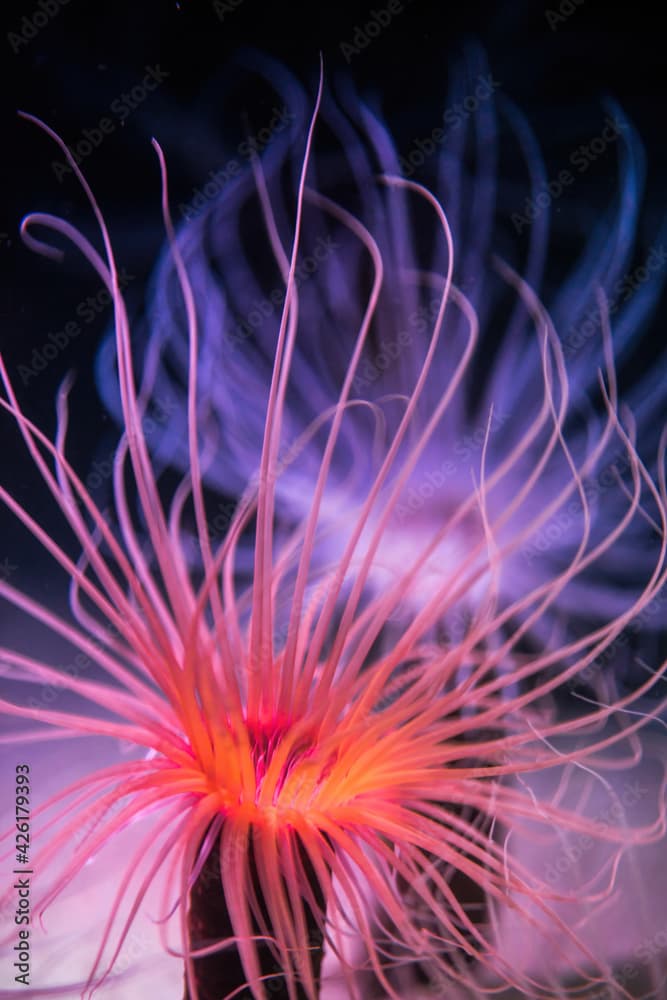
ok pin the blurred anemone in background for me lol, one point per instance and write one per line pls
(488, 403)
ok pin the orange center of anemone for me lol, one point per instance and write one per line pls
(273, 772)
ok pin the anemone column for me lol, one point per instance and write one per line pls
(221, 974)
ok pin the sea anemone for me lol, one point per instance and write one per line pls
(304, 785)
(466, 401)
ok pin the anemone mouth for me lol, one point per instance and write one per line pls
(279, 770)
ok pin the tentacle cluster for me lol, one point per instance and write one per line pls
(274, 723)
